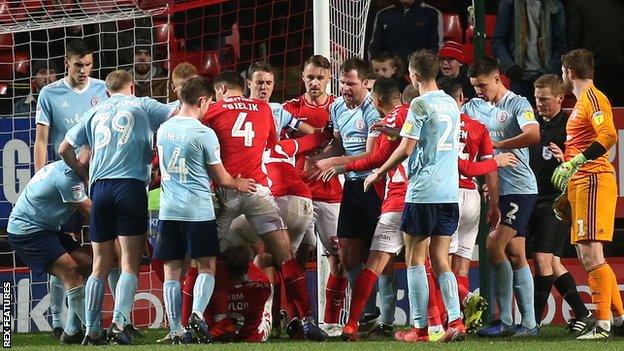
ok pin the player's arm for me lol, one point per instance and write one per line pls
(327, 163)
(74, 138)
(41, 145)
(402, 152)
(530, 130)
(84, 208)
(493, 214)
(302, 145)
(223, 179)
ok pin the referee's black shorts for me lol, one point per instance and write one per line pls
(359, 211)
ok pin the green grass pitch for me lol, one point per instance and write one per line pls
(551, 339)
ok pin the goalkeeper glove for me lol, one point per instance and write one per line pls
(566, 170)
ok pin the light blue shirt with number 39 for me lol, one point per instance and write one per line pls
(119, 132)
(432, 120)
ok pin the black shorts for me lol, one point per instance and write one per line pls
(41, 249)
(119, 209)
(430, 219)
(516, 211)
(178, 239)
(359, 211)
(546, 233)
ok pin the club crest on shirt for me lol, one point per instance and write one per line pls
(546, 153)
(359, 124)
(78, 191)
(502, 116)
(95, 100)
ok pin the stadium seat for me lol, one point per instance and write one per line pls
(211, 65)
(234, 40)
(4, 87)
(164, 32)
(6, 41)
(11, 64)
(452, 27)
(469, 53)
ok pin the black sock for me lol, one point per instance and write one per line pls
(566, 286)
(543, 284)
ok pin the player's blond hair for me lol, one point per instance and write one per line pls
(118, 80)
(182, 72)
(552, 81)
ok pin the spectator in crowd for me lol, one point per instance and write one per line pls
(389, 65)
(405, 27)
(452, 65)
(45, 73)
(150, 78)
(529, 40)
(598, 26)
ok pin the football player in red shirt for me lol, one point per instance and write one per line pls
(245, 129)
(313, 109)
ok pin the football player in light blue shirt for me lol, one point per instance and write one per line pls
(119, 132)
(513, 128)
(34, 231)
(352, 115)
(260, 83)
(430, 144)
(59, 107)
(189, 160)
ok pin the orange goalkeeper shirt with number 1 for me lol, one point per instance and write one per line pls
(591, 120)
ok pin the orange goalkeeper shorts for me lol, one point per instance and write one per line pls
(593, 199)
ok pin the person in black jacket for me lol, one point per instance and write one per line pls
(547, 235)
(598, 26)
(406, 27)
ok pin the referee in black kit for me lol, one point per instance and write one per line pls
(547, 234)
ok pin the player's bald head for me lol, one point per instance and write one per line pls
(118, 80)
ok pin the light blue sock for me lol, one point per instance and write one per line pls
(57, 299)
(202, 291)
(76, 310)
(113, 277)
(448, 287)
(94, 294)
(524, 289)
(126, 289)
(388, 294)
(503, 282)
(418, 292)
(172, 294)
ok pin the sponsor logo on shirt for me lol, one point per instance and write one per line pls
(65, 104)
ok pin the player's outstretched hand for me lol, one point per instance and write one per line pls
(383, 128)
(311, 169)
(245, 185)
(493, 216)
(506, 159)
(332, 172)
(326, 163)
(556, 152)
(371, 179)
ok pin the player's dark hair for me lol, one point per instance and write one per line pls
(258, 66)
(386, 90)
(580, 61)
(552, 81)
(117, 80)
(319, 61)
(237, 259)
(451, 86)
(409, 93)
(483, 66)
(230, 79)
(194, 88)
(77, 47)
(426, 63)
(357, 64)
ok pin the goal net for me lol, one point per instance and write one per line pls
(214, 35)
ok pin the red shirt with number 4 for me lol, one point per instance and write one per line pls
(245, 129)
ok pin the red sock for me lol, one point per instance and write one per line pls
(463, 287)
(361, 292)
(335, 292)
(187, 294)
(159, 269)
(296, 288)
(433, 312)
(277, 296)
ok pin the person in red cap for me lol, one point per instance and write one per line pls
(452, 65)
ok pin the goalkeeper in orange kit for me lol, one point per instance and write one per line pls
(591, 188)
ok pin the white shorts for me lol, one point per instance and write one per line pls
(297, 213)
(309, 237)
(259, 208)
(326, 225)
(388, 236)
(240, 233)
(464, 239)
